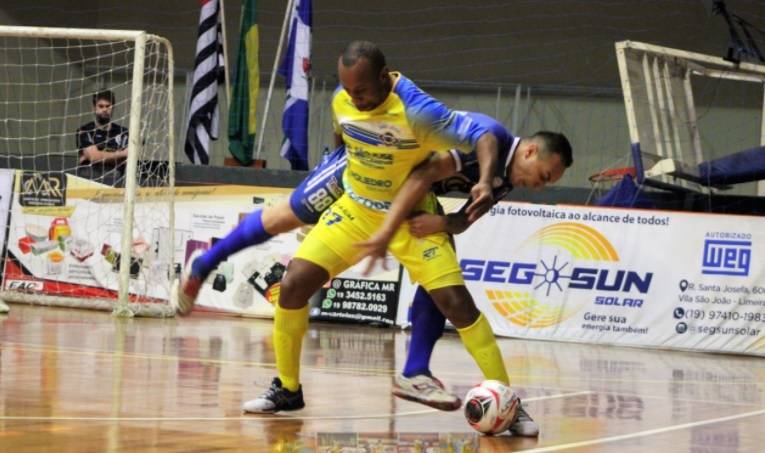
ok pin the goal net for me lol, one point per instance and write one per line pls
(86, 127)
(660, 86)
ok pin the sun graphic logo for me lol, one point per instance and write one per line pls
(558, 247)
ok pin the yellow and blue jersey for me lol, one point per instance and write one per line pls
(384, 144)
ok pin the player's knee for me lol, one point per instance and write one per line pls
(456, 304)
(280, 219)
(290, 293)
(299, 283)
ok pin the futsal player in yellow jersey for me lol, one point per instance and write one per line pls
(388, 126)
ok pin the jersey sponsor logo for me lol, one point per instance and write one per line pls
(369, 203)
(369, 159)
(430, 253)
(388, 138)
(384, 183)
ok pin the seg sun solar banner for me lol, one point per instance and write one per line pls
(614, 276)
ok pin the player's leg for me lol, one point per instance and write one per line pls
(427, 320)
(257, 228)
(478, 338)
(304, 207)
(416, 382)
(458, 306)
(320, 256)
(427, 327)
(303, 278)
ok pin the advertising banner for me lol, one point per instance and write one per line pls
(248, 282)
(354, 297)
(64, 238)
(66, 232)
(627, 277)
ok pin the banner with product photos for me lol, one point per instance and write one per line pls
(65, 234)
(64, 237)
(617, 276)
(248, 282)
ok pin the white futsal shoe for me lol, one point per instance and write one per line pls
(426, 390)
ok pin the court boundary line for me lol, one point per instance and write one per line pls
(649, 432)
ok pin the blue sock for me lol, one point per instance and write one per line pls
(249, 232)
(427, 328)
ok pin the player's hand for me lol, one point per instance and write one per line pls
(483, 200)
(375, 248)
(424, 224)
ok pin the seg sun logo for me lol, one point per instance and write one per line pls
(566, 256)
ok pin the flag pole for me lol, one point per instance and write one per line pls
(225, 52)
(287, 15)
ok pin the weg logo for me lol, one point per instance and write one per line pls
(726, 257)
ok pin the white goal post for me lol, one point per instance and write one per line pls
(84, 231)
(657, 85)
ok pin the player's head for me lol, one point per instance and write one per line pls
(540, 160)
(364, 74)
(103, 101)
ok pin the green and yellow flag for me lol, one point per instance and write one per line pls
(242, 124)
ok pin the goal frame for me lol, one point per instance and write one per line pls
(123, 307)
(660, 166)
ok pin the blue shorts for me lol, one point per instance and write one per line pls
(322, 187)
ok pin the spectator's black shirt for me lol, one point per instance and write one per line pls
(113, 138)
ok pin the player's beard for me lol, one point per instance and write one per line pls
(103, 119)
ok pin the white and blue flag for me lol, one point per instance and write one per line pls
(295, 68)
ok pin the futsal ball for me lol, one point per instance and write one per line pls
(491, 407)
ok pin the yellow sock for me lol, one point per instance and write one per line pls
(289, 328)
(479, 340)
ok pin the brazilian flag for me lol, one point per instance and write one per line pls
(242, 124)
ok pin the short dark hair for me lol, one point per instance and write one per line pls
(555, 143)
(367, 50)
(106, 95)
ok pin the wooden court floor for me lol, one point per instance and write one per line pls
(81, 381)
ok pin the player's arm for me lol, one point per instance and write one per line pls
(89, 151)
(417, 185)
(481, 193)
(424, 224)
(93, 155)
(434, 123)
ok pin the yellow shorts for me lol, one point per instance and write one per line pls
(430, 261)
